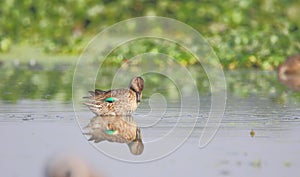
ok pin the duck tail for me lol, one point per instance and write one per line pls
(94, 93)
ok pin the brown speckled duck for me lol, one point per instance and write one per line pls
(289, 72)
(117, 101)
(121, 129)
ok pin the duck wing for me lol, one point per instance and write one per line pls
(95, 93)
(101, 95)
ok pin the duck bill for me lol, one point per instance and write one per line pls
(138, 97)
(138, 134)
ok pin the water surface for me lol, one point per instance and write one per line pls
(32, 131)
(37, 120)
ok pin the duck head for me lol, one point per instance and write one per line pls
(137, 85)
(289, 72)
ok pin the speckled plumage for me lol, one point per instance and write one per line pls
(121, 129)
(290, 66)
(289, 72)
(117, 101)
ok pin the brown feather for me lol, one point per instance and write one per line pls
(125, 102)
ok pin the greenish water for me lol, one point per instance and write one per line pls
(36, 81)
(25, 81)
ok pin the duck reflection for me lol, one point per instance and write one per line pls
(289, 72)
(121, 129)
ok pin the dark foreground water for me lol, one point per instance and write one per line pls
(257, 137)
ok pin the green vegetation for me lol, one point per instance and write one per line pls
(244, 34)
(41, 40)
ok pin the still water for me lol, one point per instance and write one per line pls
(259, 134)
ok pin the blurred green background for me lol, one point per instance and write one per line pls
(245, 34)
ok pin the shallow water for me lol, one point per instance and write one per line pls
(32, 131)
(258, 135)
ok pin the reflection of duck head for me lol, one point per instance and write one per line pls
(117, 101)
(136, 146)
(121, 129)
(289, 72)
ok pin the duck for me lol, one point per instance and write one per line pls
(289, 72)
(123, 101)
(120, 129)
